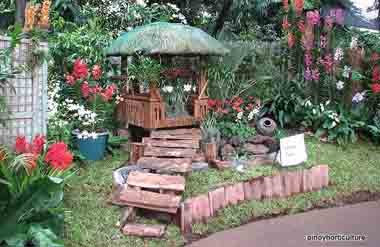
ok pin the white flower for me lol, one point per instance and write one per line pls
(173, 6)
(340, 85)
(322, 107)
(250, 116)
(333, 124)
(194, 89)
(354, 43)
(141, 3)
(93, 135)
(314, 111)
(239, 115)
(168, 89)
(338, 54)
(206, 14)
(308, 103)
(358, 97)
(346, 71)
(80, 136)
(327, 102)
(187, 87)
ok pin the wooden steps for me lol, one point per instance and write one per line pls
(187, 143)
(169, 152)
(165, 165)
(155, 181)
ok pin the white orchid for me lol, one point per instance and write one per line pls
(187, 87)
(340, 85)
(339, 54)
(346, 71)
(354, 43)
(239, 116)
(141, 3)
(358, 97)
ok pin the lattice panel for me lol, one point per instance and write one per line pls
(28, 105)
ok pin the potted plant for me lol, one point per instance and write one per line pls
(91, 107)
(210, 138)
(147, 72)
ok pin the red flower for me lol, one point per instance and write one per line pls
(80, 69)
(285, 3)
(85, 89)
(376, 74)
(291, 40)
(31, 163)
(38, 144)
(108, 92)
(375, 88)
(21, 145)
(96, 89)
(59, 157)
(298, 5)
(285, 23)
(70, 79)
(96, 72)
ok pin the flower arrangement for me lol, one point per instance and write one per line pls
(90, 106)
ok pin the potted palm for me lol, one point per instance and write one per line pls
(148, 72)
(91, 106)
(210, 138)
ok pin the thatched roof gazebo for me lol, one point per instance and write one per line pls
(164, 39)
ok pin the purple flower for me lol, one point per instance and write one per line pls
(308, 75)
(315, 74)
(313, 17)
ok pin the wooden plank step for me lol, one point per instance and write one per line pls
(156, 181)
(182, 131)
(149, 200)
(176, 137)
(191, 143)
(169, 152)
(165, 165)
(142, 230)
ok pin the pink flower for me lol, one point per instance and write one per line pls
(108, 93)
(80, 70)
(308, 59)
(339, 16)
(85, 89)
(21, 145)
(96, 72)
(285, 23)
(313, 17)
(70, 79)
(59, 157)
(38, 144)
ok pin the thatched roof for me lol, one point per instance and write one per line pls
(168, 39)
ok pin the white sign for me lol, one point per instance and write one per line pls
(293, 150)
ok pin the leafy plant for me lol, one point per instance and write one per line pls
(146, 70)
(209, 130)
(235, 129)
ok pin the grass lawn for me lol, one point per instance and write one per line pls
(90, 221)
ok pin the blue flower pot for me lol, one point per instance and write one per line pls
(92, 149)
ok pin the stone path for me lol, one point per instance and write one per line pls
(291, 231)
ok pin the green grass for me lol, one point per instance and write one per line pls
(90, 221)
(353, 168)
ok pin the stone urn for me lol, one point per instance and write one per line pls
(266, 126)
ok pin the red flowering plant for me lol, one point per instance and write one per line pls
(91, 101)
(32, 177)
(234, 115)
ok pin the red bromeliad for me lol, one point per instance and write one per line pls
(96, 72)
(58, 156)
(80, 69)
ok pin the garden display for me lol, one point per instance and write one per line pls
(150, 123)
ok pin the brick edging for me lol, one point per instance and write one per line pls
(199, 209)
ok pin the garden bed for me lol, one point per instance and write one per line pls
(90, 221)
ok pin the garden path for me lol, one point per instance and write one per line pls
(290, 231)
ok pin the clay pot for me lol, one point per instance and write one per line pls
(266, 126)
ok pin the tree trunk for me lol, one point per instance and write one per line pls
(222, 16)
(20, 12)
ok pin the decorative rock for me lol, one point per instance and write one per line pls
(217, 200)
(199, 166)
(221, 165)
(260, 139)
(227, 152)
(256, 148)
